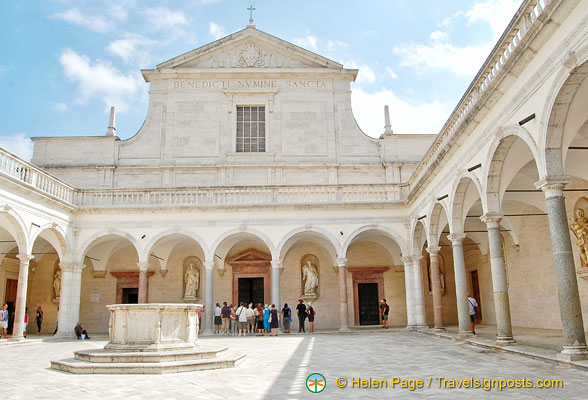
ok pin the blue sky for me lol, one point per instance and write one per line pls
(65, 62)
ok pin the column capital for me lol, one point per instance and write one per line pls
(208, 265)
(277, 264)
(341, 262)
(552, 186)
(71, 267)
(416, 259)
(456, 238)
(406, 259)
(433, 250)
(25, 258)
(143, 266)
(492, 220)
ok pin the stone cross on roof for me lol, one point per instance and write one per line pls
(251, 9)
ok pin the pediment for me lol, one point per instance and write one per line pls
(249, 48)
(250, 255)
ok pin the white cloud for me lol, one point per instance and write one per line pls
(405, 117)
(100, 80)
(132, 47)
(216, 31)
(441, 53)
(391, 72)
(308, 42)
(497, 13)
(462, 61)
(161, 18)
(365, 74)
(60, 107)
(75, 16)
(19, 145)
(118, 12)
(333, 45)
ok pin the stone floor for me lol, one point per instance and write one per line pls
(277, 367)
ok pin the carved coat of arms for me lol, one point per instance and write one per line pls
(251, 56)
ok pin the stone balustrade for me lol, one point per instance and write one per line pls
(16, 169)
(265, 195)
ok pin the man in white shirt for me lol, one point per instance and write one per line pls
(242, 318)
(473, 312)
(250, 318)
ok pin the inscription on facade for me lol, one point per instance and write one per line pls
(249, 84)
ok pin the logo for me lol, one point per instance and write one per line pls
(316, 383)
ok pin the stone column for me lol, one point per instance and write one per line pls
(419, 298)
(461, 289)
(21, 296)
(436, 286)
(343, 313)
(143, 282)
(408, 284)
(276, 267)
(574, 339)
(208, 304)
(69, 299)
(501, 302)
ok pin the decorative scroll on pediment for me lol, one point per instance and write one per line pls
(249, 55)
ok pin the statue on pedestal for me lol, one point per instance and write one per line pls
(310, 277)
(580, 230)
(192, 280)
(57, 283)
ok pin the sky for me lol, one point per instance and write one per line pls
(64, 63)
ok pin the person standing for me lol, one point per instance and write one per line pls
(259, 319)
(4, 320)
(217, 319)
(242, 319)
(226, 315)
(473, 312)
(311, 313)
(286, 318)
(200, 310)
(26, 322)
(384, 311)
(39, 319)
(250, 318)
(266, 315)
(274, 322)
(233, 320)
(301, 313)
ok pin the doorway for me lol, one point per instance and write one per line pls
(368, 303)
(476, 294)
(10, 300)
(130, 296)
(251, 290)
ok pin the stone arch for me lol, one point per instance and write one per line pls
(144, 256)
(247, 232)
(57, 238)
(85, 247)
(419, 236)
(572, 74)
(18, 230)
(318, 235)
(433, 229)
(390, 233)
(459, 199)
(494, 173)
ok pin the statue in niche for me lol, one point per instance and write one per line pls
(580, 230)
(57, 283)
(192, 280)
(310, 278)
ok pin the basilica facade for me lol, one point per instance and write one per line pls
(251, 181)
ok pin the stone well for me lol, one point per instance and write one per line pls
(151, 338)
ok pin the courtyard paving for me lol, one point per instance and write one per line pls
(277, 368)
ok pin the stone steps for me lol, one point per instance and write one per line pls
(76, 366)
(103, 356)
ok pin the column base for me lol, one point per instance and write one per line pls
(573, 353)
(64, 335)
(411, 327)
(504, 341)
(19, 339)
(439, 329)
(465, 334)
(344, 329)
